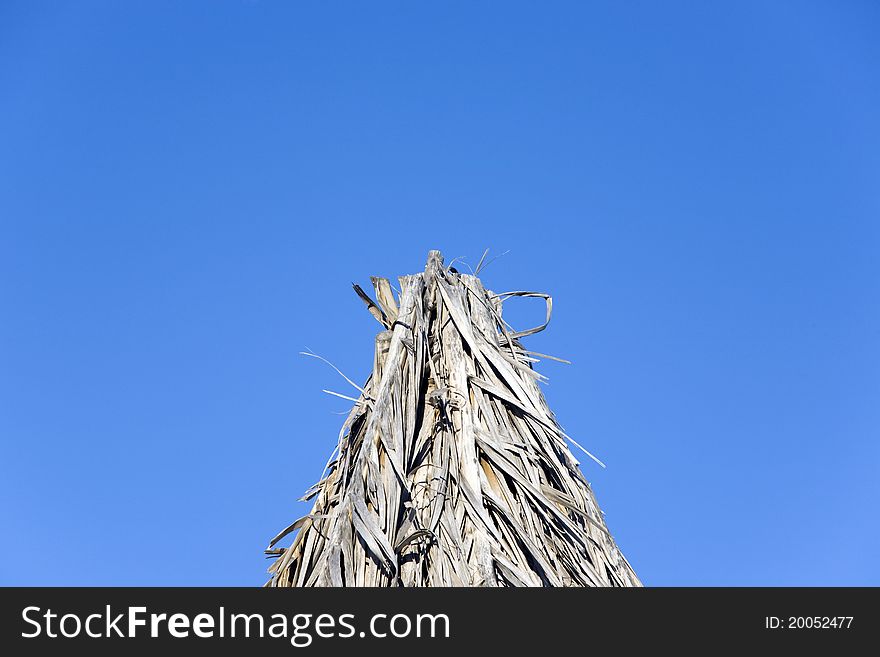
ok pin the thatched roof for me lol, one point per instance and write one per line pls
(450, 469)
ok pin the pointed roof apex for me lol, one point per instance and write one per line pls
(451, 469)
(435, 261)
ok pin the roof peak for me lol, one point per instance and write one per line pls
(435, 261)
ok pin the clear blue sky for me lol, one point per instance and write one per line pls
(187, 190)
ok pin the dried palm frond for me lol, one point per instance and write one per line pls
(450, 469)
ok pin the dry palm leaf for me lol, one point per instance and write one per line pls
(450, 470)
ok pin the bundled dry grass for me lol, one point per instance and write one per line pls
(450, 469)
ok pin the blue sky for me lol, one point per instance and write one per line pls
(187, 190)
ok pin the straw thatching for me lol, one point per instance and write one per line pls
(450, 469)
